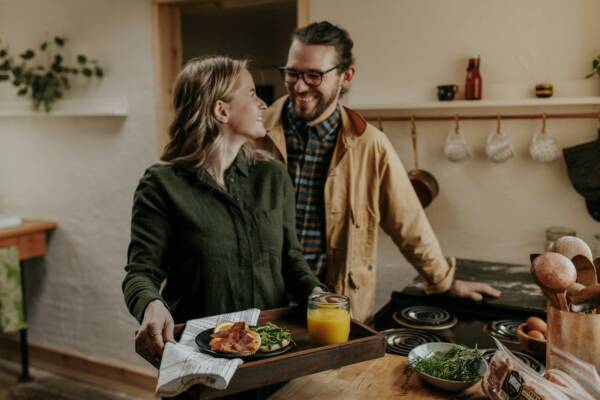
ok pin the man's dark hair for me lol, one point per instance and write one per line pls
(325, 33)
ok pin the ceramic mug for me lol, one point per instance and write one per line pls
(543, 147)
(456, 147)
(446, 92)
(498, 147)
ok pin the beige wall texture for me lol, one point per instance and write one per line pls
(404, 48)
(81, 171)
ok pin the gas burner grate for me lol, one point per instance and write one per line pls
(527, 359)
(425, 315)
(401, 341)
(504, 329)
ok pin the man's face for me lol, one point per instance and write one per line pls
(314, 104)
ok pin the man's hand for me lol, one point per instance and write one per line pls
(156, 330)
(473, 290)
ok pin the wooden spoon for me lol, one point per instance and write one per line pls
(586, 294)
(586, 272)
(554, 273)
(571, 246)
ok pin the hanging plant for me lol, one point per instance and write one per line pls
(44, 83)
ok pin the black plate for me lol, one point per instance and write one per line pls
(203, 339)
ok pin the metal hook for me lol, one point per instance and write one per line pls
(456, 126)
(380, 124)
(498, 123)
(544, 123)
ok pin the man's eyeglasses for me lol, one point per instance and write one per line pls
(311, 78)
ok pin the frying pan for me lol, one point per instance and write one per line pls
(423, 182)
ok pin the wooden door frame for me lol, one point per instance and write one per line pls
(168, 52)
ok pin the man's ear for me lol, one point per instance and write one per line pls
(347, 76)
(221, 111)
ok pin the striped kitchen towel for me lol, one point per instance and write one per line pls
(183, 365)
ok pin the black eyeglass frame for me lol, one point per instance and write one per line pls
(301, 74)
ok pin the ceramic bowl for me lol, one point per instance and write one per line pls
(530, 345)
(426, 350)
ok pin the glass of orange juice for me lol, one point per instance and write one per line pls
(328, 319)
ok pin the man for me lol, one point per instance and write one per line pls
(348, 178)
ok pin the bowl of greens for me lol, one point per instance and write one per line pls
(447, 366)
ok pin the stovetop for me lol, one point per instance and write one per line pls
(521, 299)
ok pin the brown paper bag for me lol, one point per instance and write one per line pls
(576, 333)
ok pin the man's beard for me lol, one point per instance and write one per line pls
(322, 103)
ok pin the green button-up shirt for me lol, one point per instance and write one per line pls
(220, 251)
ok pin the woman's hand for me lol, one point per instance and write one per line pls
(156, 330)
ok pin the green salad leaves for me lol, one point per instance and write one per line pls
(456, 364)
(273, 337)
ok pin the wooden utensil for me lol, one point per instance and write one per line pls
(586, 272)
(586, 294)
(554, 273)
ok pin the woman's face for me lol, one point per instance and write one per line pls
(246, 109)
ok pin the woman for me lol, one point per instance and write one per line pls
(216, 218)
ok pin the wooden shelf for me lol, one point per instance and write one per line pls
(470, 104)
(106, 107)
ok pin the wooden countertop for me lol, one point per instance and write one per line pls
(382, 378)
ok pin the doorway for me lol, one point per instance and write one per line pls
(258, 30)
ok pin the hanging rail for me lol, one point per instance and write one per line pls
(483, 117)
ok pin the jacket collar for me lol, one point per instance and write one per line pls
(353, 125)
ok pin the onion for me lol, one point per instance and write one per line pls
(571, 246)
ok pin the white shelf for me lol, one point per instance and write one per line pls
(500, 103)
(106, 107)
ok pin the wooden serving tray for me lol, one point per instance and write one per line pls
(364, 344)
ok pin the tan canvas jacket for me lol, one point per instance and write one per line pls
(367, 186)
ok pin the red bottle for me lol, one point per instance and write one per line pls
(473, 82)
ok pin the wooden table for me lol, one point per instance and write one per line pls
(382, 378)
(30, 239)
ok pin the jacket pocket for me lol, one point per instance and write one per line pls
(269, 225)
(364, 231)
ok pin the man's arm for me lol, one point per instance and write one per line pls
(403, 218)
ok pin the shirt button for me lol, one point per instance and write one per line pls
(236, 198)
(232, 179)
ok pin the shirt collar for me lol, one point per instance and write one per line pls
(323, 128)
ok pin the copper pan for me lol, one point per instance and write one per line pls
(425, 185)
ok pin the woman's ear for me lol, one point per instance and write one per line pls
(221, 111)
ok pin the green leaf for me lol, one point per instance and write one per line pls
(99, 72)
(5, 66)
(59, 41)
(86, 72)
(17, 71)
(44, 46)
(22, 92)
(16, 82)
(81, 59)
(2, 53)
(595, 64)
(74, 71)
(28, 55)
(58, 59)
(4, 77)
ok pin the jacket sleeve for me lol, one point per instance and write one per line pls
(403, 218)
(299, 279)
(150, 231)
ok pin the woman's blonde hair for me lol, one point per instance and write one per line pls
(194, 134)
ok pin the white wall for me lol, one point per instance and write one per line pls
(81, 172)
(406, 47)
